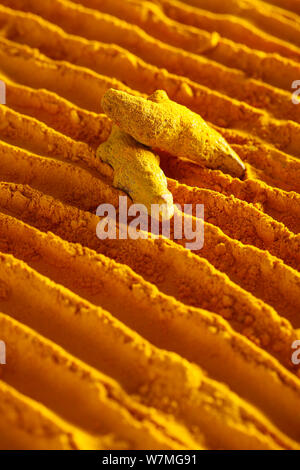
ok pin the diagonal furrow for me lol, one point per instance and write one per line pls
(105, 406)
(154, 370)
(28, 425)
(93, 129)
(156, 21)
(85, 88)
(292, 5)
(228, 26)
(105, 28)
(271, 19)
(70, 223)
(48, 176)
(113, 61)
(151, 345)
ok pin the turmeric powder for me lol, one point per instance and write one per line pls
(163, 124)
(137, 172)
(172, 347)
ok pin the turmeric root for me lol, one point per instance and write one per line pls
(163, 124)
(137, 172)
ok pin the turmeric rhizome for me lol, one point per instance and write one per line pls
(160, 123)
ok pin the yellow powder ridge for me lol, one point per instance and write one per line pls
(273, 20)
(128, 67)
(191, 388)
(235, 28)
(134, 344)
(103, 27)
(291, 5)
(279, 169)
(106, 405)
(56, 75)
(138, 253)
(160, 123)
